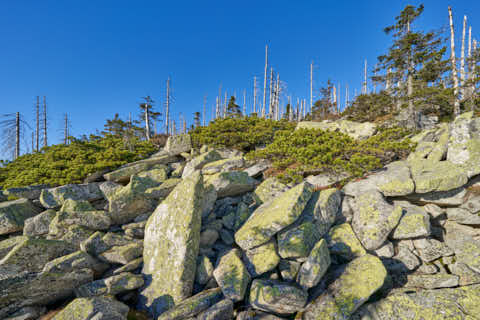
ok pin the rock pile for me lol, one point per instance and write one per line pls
(192, 234)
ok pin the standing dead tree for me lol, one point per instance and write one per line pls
(265, 82)
(462, 60)
(44, 121)
(254, 95)
(37, 127)
(13, 129)
(453, 60)
(167, 108)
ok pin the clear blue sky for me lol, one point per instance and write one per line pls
(95, 58)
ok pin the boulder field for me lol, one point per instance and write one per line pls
(202, 234)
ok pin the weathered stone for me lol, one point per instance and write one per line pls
(157, 174)
(386, 251)
(163, 190)
(74, 235)
(129, 267)
(28, 313)
(131, 201)
(361, 278)
(122, 254)
(343, 242)
(449, 303)
(32, 254)
(241, 216)
(395, 180)
(322, 209)
(466, 275)
(437, 176)
(404, 261)
(433, 210)
(14, 213)
(262, 259)
(172, 237)
(272, 217)
(297, 242)
(135, 229)
(208, 237)
(30, 192)
(9, 243)
(199, 162)
(55, 197)
(258, 168)
(472, 204)
(26, 288)
(193, 305)
(226, 236)
(177, 144)
(96, 308)
(316, 265)
(71, 205)
(374, 219)
(204, 271)
(231, 184)
(277, 297)
(462, 216)
(75, 261)
(464, 143)
(454, 197)
(414, 223)
(94, 220)
(232, 276)
(109, 188)
(100, 242)
(355, 130)
(222, 310)
(224, 165)
(114, 285)
(268, 190)
(289, 269)
(326, 179)
(434, 281)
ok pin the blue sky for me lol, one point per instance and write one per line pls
(95, 58)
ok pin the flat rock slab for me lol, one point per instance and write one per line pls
(55, 197)
(361, 278)
(97, 308)
(14, 213)
(355, 130)
(171, 246)
(193, 305)
(231, 184)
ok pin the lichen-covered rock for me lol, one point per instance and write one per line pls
(94, 220)
(465, 246)
(322, 209)
(342, 242)
(414, 223)
(258, 168)
(231, 184)
(171, 245)
(437, 176)
(75, 261)
(262, 259)
(204, 271)
(326, 179)
(32, 254)
(14, 213)
(355, 130)
(466, 275)
(129, 267)
(131, 201)
(297, 242)
(222, 310)
(114, 285)
(431, 281)
(193, 305)
(454, 197)
(8, 244)
(232, 275)
(224, 165)
(463, 216)
(386, 251)
(157, 174)
(455, 303)
(30, 192)
(403, 261)
(28, 313)
(316, 265)
(361, 278)
(122, 254)
(74, 235)
(109, 188)
(208, 238)
(164, 189)
(289, 269)
(100, 242)
(135, 229)
(277, 297)
(27, 288)
(272, 217)
(268, 190)
(430, 249)
(71, 205)
(177, 144)
(96, 308)
(200, 161)
(55, 197)
(464, 143)
(374, 219)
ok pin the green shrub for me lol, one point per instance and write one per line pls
(62, 164)
(239, 133)
(309, 151)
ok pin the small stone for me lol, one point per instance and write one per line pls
(123, 254)
(222, 310)
(204, 271)
(289, 269)
(208, 238)
(386, 251)
(114, 285)
(193, 305)
(432, 281)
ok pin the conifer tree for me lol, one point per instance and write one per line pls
(233, 110)
(196, 119)
(148, 115)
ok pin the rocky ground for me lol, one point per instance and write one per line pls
(201, 234)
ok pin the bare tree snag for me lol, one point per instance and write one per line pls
(265, 83)
(456, 105)
(462, 59)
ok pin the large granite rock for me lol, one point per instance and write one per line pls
(374, 219)
(268, 190)
(14, 213)
(171, 245)
(30, 192)
(355, 130)
(297, 242)
(342, 242)
(414, 223)
(224, 165)
(361, 278)
(200, 161)
(432, 176)
(277, 297)
(178, 144)
(231, 184)
(262, 259)
(232, 275)
(312, 270)
(123, 174)
(96, 308)
(194, 305)
(55, 197)
(272, 217)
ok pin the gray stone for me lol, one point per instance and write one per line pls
(231, 184)
(96, 308)
(30, 192)
(414, 223)
(462, 216)
(122, 254)
(342, 242)
(230, 164)
(268, 190)
(114, 285)
(199, 162)
(193, 305)
(232, 276)
(277, 297)
(312, 270)
(289, 269)
(9, 243)
(208, 238)
(39, 224)
(222, 310)
(262, 259)
(177, 144)
(454, 197)
(75, 261)
(204, 271)
(355, 130)
(435, 281)
(297, 242)
(258, 168)
(28, 313)
(55, 197)
(14, 213)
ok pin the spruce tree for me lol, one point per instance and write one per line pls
(148, 116)
(233, 110)
(196, 119)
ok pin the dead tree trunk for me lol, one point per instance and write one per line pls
(462, 59)
(311, 85)
(65, 129)
(244, 103)
(269, 112)
(204, 110)
(167, 108)
(37, 128)
(45, 142)
(17, 135)
(265, 83)
(364, 88)
(254, 94)
(456, 105)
